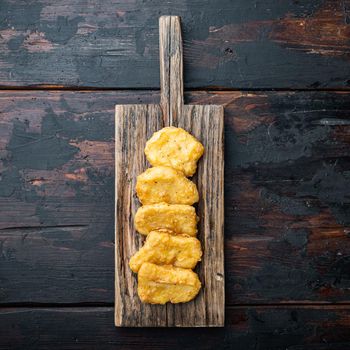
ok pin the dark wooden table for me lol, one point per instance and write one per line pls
(282, 71)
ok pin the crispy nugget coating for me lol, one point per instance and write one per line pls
(164, 184)
(163, 248)
(176, 148)
(161, 284)
(179, 218)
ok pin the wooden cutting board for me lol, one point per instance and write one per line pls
(134, 125)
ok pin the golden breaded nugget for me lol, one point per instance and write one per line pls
(176, 148)
(161, 284)
(164, 184)
(179, 218)
(163, 248)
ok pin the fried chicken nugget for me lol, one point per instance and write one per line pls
(179, 218)
(176, 148)
(161, 284)
(163, 248)
(164, 184)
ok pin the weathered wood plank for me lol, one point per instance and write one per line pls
(134, 125)
(114, 43)
(265, 328)
(286, 195)
(171, 68)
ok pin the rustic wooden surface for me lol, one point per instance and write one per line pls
(114, 43)
(286, 213)
(272, 328)
(56, 204)
(287, 180)
(171, 69)
(135, 124)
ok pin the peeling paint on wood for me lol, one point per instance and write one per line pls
(286, 187)
(270, 328)
(241, 44)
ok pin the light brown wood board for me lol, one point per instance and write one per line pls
(134, 125)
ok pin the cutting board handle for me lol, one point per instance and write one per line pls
(171, 69)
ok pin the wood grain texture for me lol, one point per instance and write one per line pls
(286, 187)
(286, 176)
(247, 328)
(114, 43)
(171, 68)
(135, 124)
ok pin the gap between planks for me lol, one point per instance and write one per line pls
(88, 305)
(212, 89)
